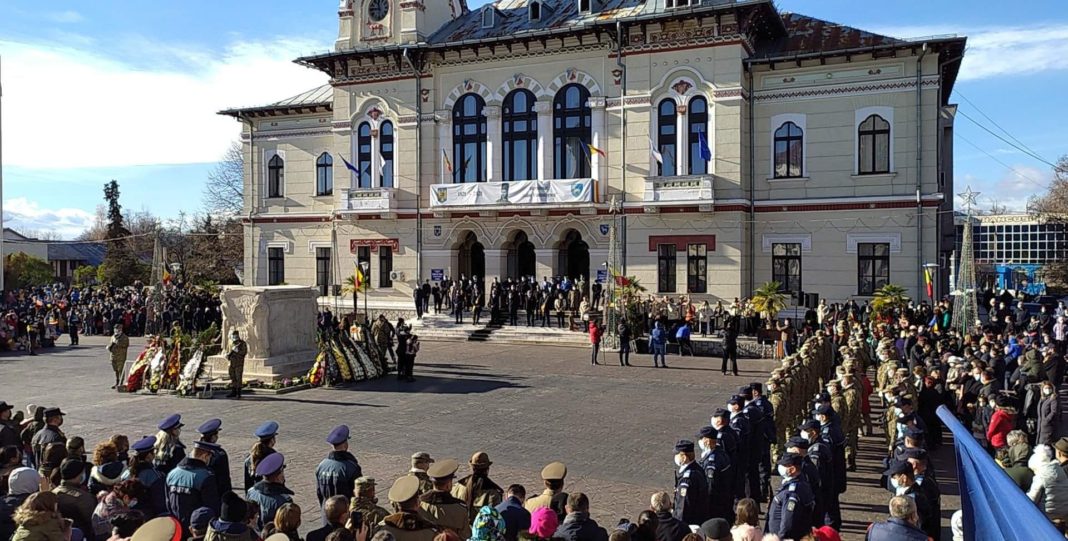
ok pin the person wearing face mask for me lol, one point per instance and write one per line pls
(140, 468)
(746, 451)
(1049, 413)
(926, 485)
(832, 437)
(169, 448)
(270, 493)
(75, 502)
(691, 487)
(49, 433)
(819, 455)
(718, 474)
(117, 348)
(903, 483)
(727, 440)
(192, 485)
(790, 511)
(236, 357)
(810, 472)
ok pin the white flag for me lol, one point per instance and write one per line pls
(380, 167)
(656, 153)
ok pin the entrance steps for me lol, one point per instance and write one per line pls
(442, 328)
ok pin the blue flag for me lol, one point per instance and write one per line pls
(350, 166)
(706, 153)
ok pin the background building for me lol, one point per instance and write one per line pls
(1012, 249)
(743, 144)
(64, 255)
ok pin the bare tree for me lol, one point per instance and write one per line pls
(1052, 206)
(224, 191)
(41, 234)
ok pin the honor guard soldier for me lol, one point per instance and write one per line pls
(799, 446)
(553, 496)
(477, 490)
(267, 434)
(170, 450)
(790, 511)
(421, 462)
(747, 452)
(337, 473)
(691, 487)
(408, 523)
(191, 485)
(717, 466)
(155, 483)
(270, 493)
(365, 503)
(220, 461)
(439, 503)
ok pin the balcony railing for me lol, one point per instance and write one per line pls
(366, 200)
(523, 193)
(679, 189)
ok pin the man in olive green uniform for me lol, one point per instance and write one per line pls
(421, 461)
(776, 397)
(236, 357)
(408, 523)
(118, 347)
(365, 503)
(852, 421)
(553, 496)
(477, 490)
(439, 503)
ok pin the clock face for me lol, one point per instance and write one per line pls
(378, 9)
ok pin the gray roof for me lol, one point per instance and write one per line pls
(320, 96)
(512, 18)
(89, 253)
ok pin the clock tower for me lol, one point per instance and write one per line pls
(367, 23)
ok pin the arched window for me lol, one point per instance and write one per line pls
(666, 140)
(324, 175)
(519, 124)
(572, 123)
(788, 146)
(363, 154)
(385, 142)
(874, 146)
(469, 139)
(700, 146)
(275, 176)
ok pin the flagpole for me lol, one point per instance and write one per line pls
(1, 180)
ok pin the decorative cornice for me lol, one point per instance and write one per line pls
(289, 134)
(844, 90)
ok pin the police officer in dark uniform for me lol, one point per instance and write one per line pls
(191, 485)
(746, 449)
(756, 391)
(337, 473)
(728, 440)
(831, 435)
(271, 492)
(811, 473)
(267, 433)
(790, 511)
(691, 487)
(718, 474)
(819, 454)
(170, 427)
(220, 461)
(49, 433)
(142, 469)
(759, 442)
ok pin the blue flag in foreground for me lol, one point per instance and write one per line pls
(995, 509)
(706, 153)
(349, 165)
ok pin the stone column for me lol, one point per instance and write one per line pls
(444, 119)
(545, 138)
(495, 265)
(682, 157)
(545, 263)
(600, 133)
(494, 154)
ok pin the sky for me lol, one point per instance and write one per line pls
(104, 90)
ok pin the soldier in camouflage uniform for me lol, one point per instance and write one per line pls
(365, 502)
(853, 421)
(776, 397)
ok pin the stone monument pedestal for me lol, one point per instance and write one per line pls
(279, 324)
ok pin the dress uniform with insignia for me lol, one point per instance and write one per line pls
(718, 475)
(553, 496)
(337, 473)
(155, 483)
(220, 461)
(691, 487)
(811, 472)
(746, 451)
(831, 435)
(421, 461)
(171, 426)
(365, 503)
(191, 485)
(270, 493)
(728, 440)
(478, 490)
(267, 433)
(820, 454)
(758, 435)
(439, 503)
(408, 523)
(770, 437)
(49, 433)
(790, 511)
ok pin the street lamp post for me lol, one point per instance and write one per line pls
(365, 267)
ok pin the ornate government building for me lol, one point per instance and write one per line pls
(731, 143)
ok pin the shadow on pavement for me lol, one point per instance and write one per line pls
(434, 385)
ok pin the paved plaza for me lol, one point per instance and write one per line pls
(524, 405)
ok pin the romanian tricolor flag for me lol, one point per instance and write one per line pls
(358, 278)
(166, 277)
(927, 279)
(448, 162)
(595, 150)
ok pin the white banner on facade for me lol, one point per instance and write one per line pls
(525, 192)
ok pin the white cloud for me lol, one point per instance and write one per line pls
(996, 52)
(67, 17)
(1011, 190)
(67, 107)
(22, 214)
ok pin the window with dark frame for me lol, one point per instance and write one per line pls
(666, 139)
(873, 140)
(572, 122)
(786, 266)
(324, 174)
(665, 268)
(322, 270)
(697, 120)
(363, 155)
(276, 267)
(697, 268)
(873, 266)
(385, 142)
(385, 266)
(789, 145)
(275, 176)
(469, 139)
(363, 255)
(519, 134)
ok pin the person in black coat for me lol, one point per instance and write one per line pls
(1049, 412)
(516, 517)
(220, 461)
(577, 525)
(668, 528)
(338, 472)
(718, 475)
(336, 514)
(691, 486)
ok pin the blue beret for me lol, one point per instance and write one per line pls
(735, 400)
(144, 444)
(810, 424)
(338, 435)
(915, 452)
(207, 446)
(720, 412)
(270, 464)
(798, 442)
(173, 421)
(708, 432)
(684, 446)
(790, 459)
(914, 432)
(898, 468)
(209, 426)
(201, 517)
(266, 430)
(823, 409)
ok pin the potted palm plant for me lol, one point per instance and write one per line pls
(769, 300)
(889, 299)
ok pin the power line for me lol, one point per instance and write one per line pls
(994, 122)
(1007, 166)
(1010, 143)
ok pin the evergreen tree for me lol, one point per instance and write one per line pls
(120, 267)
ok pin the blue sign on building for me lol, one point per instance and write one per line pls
(437, 275)
(602, 276)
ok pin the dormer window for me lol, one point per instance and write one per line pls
(534, 10)
(487, 17)
(677, 3)
(584, 6)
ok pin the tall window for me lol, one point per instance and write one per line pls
(874, 146)
(385, 141)
(697, 268)
(786, 266)
(665, 137)
(519, 125)
(469, 139)
(572, 131)
(385, 266)
(322, 270)
(324, 175)
(697, 118)
(276, 170)
(788, 144)
(276, 267)
(873, 267)
(363, 154)
(665, 268)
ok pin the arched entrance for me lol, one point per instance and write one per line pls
(471, 258)
(573, 256)
(521, 258)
